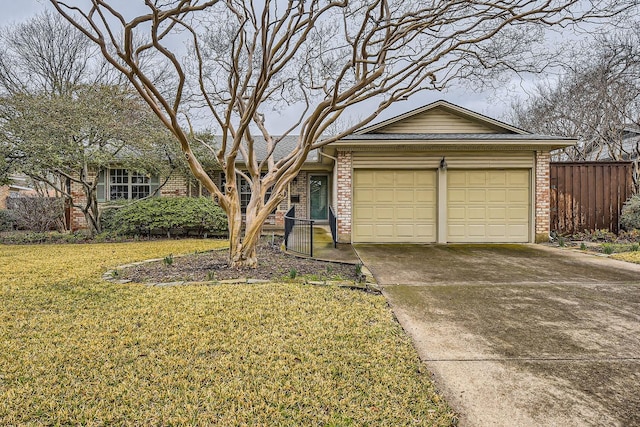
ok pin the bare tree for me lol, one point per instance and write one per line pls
(325, 56)
(596, 100)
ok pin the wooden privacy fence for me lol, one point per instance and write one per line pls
(588, 195)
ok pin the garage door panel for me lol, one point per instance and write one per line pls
(383, 195)
(520, 195)
(517, 214)
(383, 214)
(496, 196)
(517, 229)
(425, 180)
(384, 179)
(457, 196)
(425, 195)
(405, 230)
(405, 179)
(455, 230)
(384, 230)
(476, 213)
(425, 214)
(476, 195)
(496, 230)
(405, 196)
(406, 214)
(425, 232)
(476, 179)
(477, 230)
(516, 178)
(363, 196)
(457, 213)
(488, 205)
(364, 178)
(394, 206)
(497, 178)
(364, 230)
(497, 213)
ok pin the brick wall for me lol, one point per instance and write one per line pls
(542, 196)
(343, 210)
(176, 186)
(299, 188)
(4, 193)
(78, 220)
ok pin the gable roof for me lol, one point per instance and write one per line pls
(479, 120)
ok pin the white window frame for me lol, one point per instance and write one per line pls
(130, 183)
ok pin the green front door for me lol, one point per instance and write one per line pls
(319, 197)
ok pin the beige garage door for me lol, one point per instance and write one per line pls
(394, 206)
(488, 206)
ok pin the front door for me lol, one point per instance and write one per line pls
(319, 197)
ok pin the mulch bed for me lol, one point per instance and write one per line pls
(273, 265)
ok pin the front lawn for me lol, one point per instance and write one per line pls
(78, 351)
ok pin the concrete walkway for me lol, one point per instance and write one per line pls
(520, 335)
(323, 247)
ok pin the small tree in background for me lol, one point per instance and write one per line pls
(595, 100)
(65, 113)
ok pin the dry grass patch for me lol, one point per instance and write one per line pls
(76, 350)
(628, 256)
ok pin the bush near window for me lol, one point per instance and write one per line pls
(173, 216)
(7, 221)
(37, 213)
(630, 217)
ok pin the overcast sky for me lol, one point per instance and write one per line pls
(491, 103)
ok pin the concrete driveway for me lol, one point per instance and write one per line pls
(520, 335)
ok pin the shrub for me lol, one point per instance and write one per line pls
(108, 220)
(630, 217)
(607, 248)
(7, 221)
(170, 215)
(37, 213)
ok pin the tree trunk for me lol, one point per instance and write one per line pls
(242, 247)
(91, 212)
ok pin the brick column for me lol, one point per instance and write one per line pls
(78, 221)
(344, 188)
(4, 193)
(543, 209)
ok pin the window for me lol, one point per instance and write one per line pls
(128, 185)
(244, 190)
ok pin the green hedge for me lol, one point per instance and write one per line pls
(166, 215)
(7, 221)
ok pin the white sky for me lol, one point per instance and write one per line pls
(491, 103)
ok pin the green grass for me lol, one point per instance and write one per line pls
(78, 351)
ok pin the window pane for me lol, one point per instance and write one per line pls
(140, 191)
(137, 178)
(119, 176)
(117, 192)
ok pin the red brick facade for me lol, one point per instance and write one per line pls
(542, 208)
